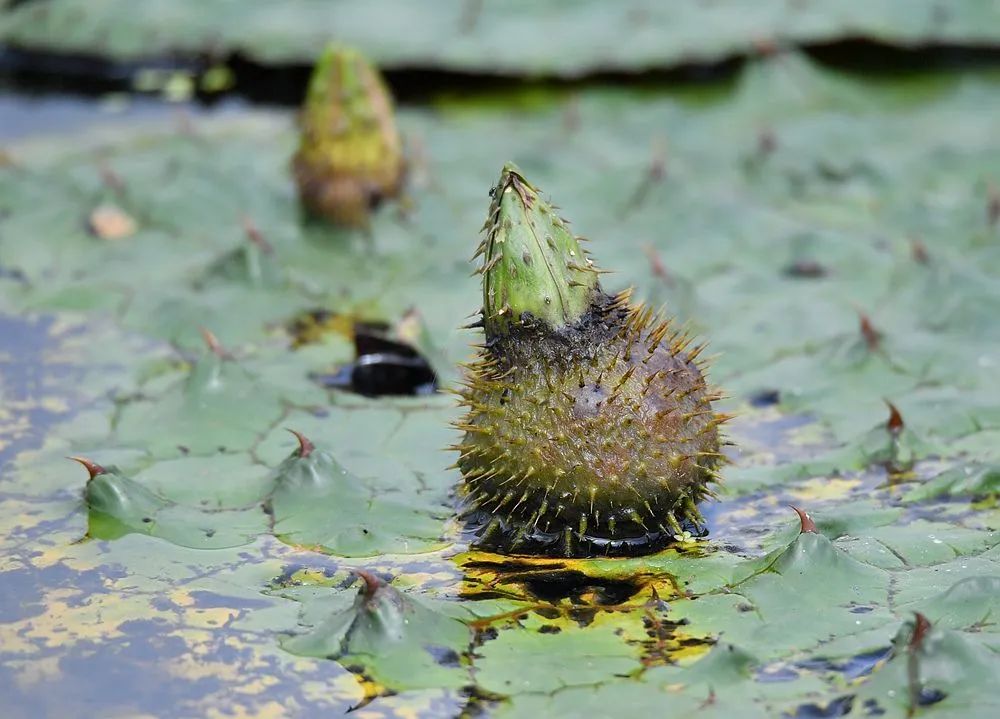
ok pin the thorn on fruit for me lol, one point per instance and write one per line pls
(93, 468)
(992, 205)
(305, 446)
(806, 524)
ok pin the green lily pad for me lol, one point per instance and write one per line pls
(392, 638)
(521, 37)
(119, 505)
(318, 504)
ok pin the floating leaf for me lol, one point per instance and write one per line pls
(318, 504)
(391, 638)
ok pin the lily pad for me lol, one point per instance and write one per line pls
(493, 36)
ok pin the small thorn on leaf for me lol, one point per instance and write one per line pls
(92, 467)
(255, 236)
(992, 205)
(766, 142)
(895, 422)
(921, 625)
(372, 582)
(656, 264)
(807, 526)
(872, 337)
(305, 446)
(918, 250)
(212, 342)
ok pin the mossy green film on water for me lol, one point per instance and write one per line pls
(771, 214)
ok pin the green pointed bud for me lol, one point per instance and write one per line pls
(534, 269)
(350, 155)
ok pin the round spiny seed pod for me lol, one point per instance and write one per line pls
(590, 428)
(350, 155)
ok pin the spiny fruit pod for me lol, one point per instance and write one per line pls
(350, 155)
(589, 427)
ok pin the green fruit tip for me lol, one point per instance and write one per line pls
(534, 269)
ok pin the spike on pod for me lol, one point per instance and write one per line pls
(589, 427)
(306, 447)
(93, 469)
(806, 524)
(350, 154)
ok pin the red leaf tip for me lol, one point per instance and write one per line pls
(306, 447)
(807, 526)
(372, 582)
(212, 342)
(921, 625)
(872, 337)
(93, 468)
(895, 422)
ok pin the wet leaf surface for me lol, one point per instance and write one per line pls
(102, 356)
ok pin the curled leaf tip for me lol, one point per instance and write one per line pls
(93, 468)
(306, 447)
(921, 625)
(895, 422)
(212, 342)
(806, 524)
(872, 337)
(372, 581)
